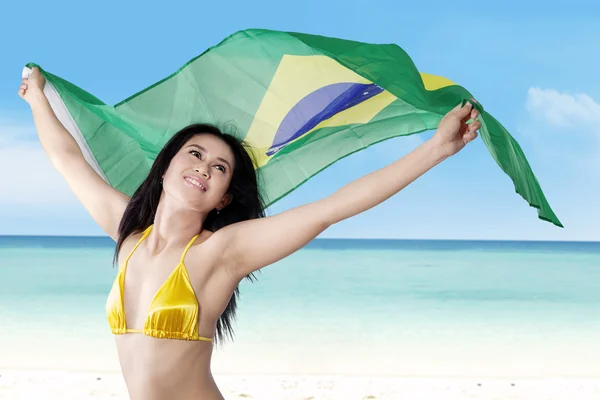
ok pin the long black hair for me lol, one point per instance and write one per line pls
(246, 202)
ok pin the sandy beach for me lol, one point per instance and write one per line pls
(24, 384)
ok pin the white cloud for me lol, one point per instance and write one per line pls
(13, 132)
(563, 110)
(27, 176)
(564, 127)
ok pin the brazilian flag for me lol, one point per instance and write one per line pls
(302, 101)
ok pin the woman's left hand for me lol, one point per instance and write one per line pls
(453, 132)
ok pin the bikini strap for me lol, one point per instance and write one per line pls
(188, 247)
(146, 233)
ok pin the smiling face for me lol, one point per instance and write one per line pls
(200, 173)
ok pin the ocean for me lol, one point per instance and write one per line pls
(351, 307)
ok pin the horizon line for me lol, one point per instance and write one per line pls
(337, 238)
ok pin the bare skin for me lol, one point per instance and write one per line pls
(158, 369)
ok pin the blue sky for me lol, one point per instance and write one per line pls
(533, 65)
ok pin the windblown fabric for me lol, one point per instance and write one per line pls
(302, 101)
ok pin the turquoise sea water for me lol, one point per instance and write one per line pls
(335, 307)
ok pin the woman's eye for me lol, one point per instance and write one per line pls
(195, 153)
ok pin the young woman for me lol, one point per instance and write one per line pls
(194, 229)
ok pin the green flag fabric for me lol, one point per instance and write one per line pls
(302, 101)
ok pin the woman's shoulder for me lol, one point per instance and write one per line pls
(127, 246)
(207, 250)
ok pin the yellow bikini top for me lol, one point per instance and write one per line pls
(173, 312)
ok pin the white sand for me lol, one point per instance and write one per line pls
(32, 385)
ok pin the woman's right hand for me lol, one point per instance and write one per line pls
(32, 88)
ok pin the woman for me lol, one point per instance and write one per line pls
(194, 229)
